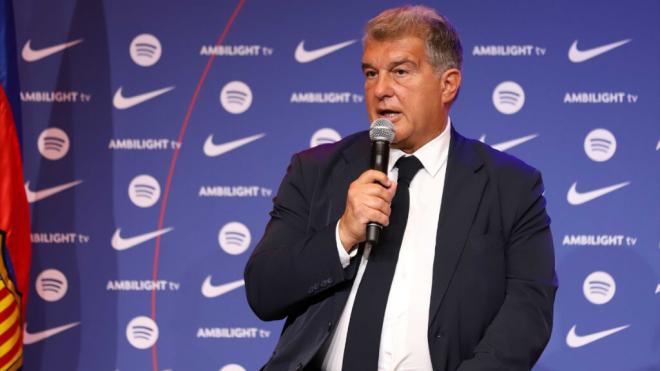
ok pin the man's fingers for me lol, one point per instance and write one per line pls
(374, 215)
(376, 190)
(374, 176)
(391, 191)
(378, 204)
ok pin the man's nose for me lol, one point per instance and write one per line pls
(383, 88)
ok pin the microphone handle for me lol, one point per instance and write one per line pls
(380, 156)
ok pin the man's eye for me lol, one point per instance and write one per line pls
(400, 72)
(369, 74)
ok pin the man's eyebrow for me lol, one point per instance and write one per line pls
(392, 64)
(401, 61)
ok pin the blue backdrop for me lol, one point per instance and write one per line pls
(156, 133)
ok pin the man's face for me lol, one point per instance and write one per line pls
(403, 87)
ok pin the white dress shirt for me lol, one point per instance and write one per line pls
(403, 342)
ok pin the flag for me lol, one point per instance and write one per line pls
(14, 221)
(15, 244)
(15, 247)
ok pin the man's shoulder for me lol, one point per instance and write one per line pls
(325, 154)
(502, 164)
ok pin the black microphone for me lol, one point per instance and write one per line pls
(381, 134)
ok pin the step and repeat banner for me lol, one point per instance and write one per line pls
(156, 134)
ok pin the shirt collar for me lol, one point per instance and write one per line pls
(433, 155)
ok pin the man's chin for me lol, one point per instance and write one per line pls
(396, 144)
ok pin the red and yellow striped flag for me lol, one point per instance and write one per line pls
(11, 337)
(15, 247)
(14, 209)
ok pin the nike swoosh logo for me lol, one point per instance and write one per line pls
(213, 150)
(32, 55)
(34, 196)
(574, 340)
(211, 291)
(29, 338)
(577, 198)
(119, 243)
(306, 56)
(503, 146)
(579, 56)
(122, 102)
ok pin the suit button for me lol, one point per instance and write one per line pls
(329, 325)
(299, 367)
(440, 335)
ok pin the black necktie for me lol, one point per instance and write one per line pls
(366, 324)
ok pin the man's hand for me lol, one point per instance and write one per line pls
(368, 200)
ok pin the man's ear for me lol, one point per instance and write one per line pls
(451, 82)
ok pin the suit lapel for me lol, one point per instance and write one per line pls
(464, 185)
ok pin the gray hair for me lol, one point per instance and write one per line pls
(443, 46)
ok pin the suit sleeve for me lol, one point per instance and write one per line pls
(521, 329)
(295, 262)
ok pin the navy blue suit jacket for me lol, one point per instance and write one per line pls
(493, 274)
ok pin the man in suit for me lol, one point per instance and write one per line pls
(463, 277)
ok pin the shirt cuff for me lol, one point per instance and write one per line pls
(344, 257)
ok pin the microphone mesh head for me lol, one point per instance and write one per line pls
(382, 129)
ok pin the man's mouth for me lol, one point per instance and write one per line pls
(391, 115)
